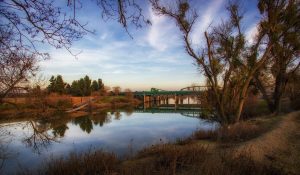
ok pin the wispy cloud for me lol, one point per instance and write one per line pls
(251, 33)
(205, 19)
(154, 58)
(162, 33)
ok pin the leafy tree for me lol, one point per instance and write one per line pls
(100, 84)
(51, 86)
(87, 86)
(75, 90)
(59, 85)
(281, 23)
(95, 86)
(81, 86)
(68, 88)
(84, 86)
(56, 84)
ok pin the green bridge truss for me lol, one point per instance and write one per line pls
(194, 90)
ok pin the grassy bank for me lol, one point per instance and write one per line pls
(265, 145)
(16, 108)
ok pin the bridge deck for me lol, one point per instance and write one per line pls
(166, 93)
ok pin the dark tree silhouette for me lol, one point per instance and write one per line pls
(281, 22)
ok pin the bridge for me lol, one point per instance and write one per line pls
(193, 90)
(158, 97)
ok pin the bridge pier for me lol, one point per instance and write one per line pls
(176, 101)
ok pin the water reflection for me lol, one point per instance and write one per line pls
(84, 123)
(112, 131)
(5, 152)
(38, 137)
(100, 118)
(60, 130)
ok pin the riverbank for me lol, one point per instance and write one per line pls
(18, 108)
(264, 145)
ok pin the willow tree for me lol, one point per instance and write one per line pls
(281, 23)
(227, 61)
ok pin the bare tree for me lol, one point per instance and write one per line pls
(125, 11)
(15, 69)
(227, 63)
(116, 90)
(128, 93)
(31, 22)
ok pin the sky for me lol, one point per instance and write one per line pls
(154, 57)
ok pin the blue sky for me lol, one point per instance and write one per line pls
(155, 57)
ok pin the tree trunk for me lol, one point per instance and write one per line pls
(243, 96)
(279, 88)
(262, 89)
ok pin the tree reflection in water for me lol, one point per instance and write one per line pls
(5, 153)
(39, 136)
(59, 131)
(85, 123)
(118, 115)
(129, 111)
(100, 118)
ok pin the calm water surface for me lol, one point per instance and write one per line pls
(27, 144)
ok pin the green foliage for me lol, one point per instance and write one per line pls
(95, 86)
(84, 86)
(75, 90)
(100, 84)
(60, 86)
(68, 89)
(51, 87)
(87, 86)
(56, 84)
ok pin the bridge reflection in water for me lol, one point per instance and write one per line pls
(188, 112)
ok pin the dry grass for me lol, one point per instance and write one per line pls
(239, 132)
(161, 160)
(91, 162)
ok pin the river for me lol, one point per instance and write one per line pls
(27, 144)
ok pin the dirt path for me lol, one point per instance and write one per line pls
(280, 146)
